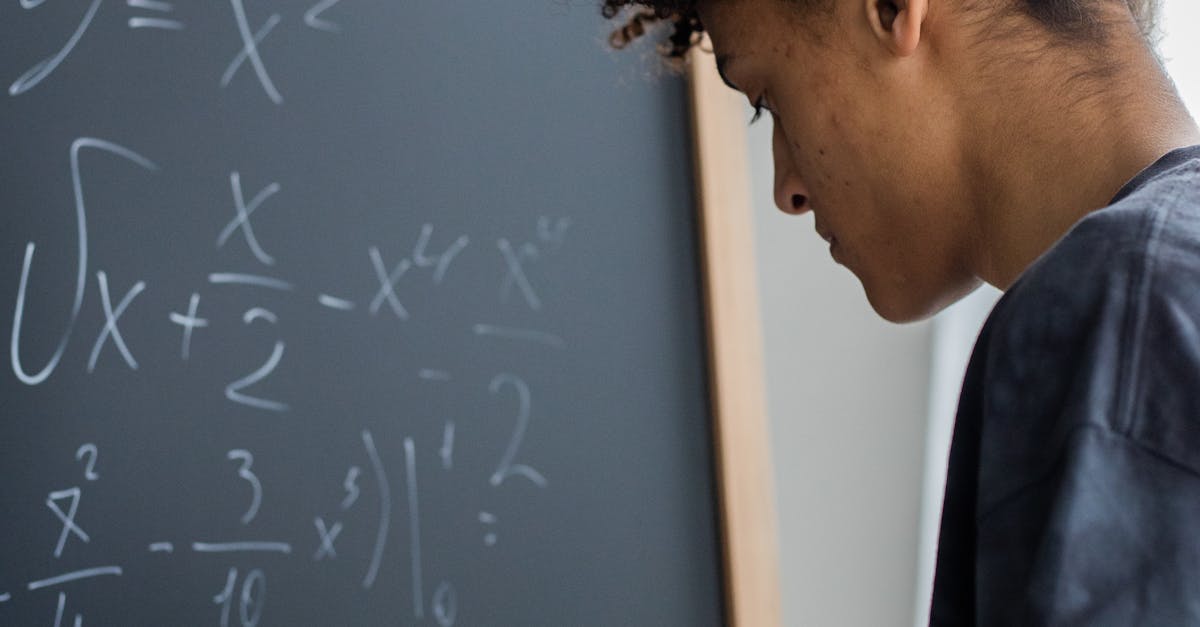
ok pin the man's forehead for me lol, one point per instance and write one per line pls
(730, 19)
(726, 24)
(738, 28)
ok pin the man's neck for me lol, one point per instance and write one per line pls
(1067, 155)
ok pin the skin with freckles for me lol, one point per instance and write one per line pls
(938, 144)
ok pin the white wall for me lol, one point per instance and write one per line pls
(847, 398)
(954, 334)
(1180, 48)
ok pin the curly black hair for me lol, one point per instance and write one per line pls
(1076, 19)
(645, 13)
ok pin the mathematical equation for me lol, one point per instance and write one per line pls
(161, 15)
(547, 237)
(241, 597)
(249, 286)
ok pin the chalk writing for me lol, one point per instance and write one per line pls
(153, 22)
(58, 613)
(251, 600)
(77, 147)
(523, 335)
(313, 18)
(447, 450)
(90, 451)
(245, 473)
(445, 604)
(75, 575)
(549, 237)
(385, 509)
(351, 487)
(515, 275)
(43, 68)
(233, 391)
(327, 536)
(242, 547)
(258, 313)
(553, 232)
(241, 220)
(441, 262)
(430, 374)
(69, 526)
(172, 455)
(235, 278)
(387, 284)
(414, 526)
(110, 322)
(250, 51)
(488, 519)
(334, 302)
(189, 322)
(241, 599)
(507, 468)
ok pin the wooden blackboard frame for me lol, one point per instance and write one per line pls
(740, 429)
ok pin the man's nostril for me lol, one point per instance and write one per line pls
(798, 201)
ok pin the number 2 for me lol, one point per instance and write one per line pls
(506, 468)
(89, 471)
(233, 391)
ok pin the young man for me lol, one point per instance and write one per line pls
(1039, 146)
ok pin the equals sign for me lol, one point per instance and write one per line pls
(153, 22)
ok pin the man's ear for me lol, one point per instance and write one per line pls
(897, 23)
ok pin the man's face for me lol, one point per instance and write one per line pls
(864, 138)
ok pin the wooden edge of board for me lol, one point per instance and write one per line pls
(742, 445)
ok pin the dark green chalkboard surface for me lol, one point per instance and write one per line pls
(358, 312)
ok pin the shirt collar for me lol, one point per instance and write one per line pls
(1164, 163)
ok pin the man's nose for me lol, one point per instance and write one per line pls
(791, 195)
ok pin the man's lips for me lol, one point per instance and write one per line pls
(832, 241)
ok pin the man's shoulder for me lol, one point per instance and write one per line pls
(1104, 329)
(1144, 246)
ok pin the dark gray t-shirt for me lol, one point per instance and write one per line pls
(1073, 490)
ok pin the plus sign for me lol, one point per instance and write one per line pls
(189, 322)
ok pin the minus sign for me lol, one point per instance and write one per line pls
(154, 22)
(241, 547)
(162, 547)
(333, 302)
(434, 375)
(5, 597)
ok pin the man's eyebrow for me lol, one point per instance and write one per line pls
(723, 62)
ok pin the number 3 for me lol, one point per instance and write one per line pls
(245, 473)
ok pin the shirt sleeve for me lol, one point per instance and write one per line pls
(1089, 511)
(1109, 537)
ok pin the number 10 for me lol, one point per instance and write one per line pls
(250, 608)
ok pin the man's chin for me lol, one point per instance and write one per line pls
(902, 307)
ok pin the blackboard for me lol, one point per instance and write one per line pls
(348, 313)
